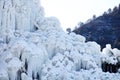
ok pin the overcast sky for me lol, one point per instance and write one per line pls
(70, 12)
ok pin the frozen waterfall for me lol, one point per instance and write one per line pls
(34, 47)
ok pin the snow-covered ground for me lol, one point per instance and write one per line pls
(34, 47)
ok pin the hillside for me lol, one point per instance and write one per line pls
(104, 29)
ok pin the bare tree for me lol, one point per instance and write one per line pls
(68, 30)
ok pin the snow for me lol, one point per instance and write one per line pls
(34, 47)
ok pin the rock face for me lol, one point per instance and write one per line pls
(104, 29)
(34, 47)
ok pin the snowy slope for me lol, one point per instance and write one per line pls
(34, 47)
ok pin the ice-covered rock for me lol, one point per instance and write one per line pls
(110, 55)
(110, 59)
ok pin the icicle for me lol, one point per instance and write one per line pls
(1, 12)
(25, 77)
(12, 18)
(3, 71)
(13, 67)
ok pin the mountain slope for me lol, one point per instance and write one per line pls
(104, 29)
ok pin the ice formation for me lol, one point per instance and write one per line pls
(34, 47)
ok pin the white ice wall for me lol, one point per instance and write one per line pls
(46, 54)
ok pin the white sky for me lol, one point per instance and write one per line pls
(70, 12)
